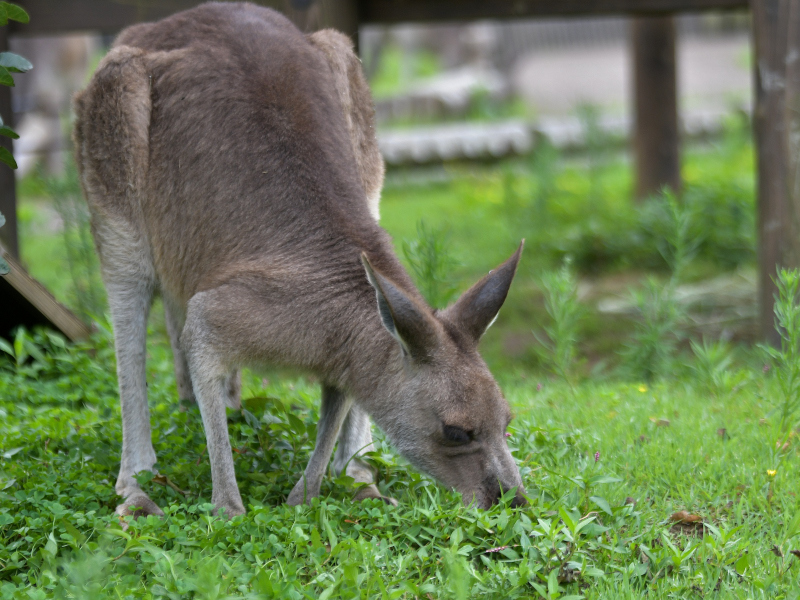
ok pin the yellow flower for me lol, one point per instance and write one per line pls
(771, 472)
(643, 388)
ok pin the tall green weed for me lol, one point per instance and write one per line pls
(431, 264)
(658, 332)
(786, 358)
(559, 349)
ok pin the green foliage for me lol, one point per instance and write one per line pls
(652, 348)
(397, 69)
(559, 350)
(432, 264)
(650, 352)
(12, 12)
(581, 456)
(787, 358)
(712, 366)
(14, 63)
(10, 63)
(86, 287)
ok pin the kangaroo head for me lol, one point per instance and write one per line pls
(441, 406)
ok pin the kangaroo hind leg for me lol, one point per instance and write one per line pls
(111, 150)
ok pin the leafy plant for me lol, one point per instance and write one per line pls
(653, 344)
(712, 361)
(559, 349)
(658, 330)
(431, 263)
(787, 358)
(10, 63)
(65, 192)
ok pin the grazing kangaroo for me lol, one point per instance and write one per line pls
(230, 162)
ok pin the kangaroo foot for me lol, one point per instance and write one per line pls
(371, 491)
(138, 504)
(300, 494)
(228, 510)
(227, 502)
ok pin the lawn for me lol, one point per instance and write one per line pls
(676, 480)
(606, 467)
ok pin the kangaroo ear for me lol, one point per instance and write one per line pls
(477, 308)
(405, 318)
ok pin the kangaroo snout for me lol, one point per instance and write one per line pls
(495, 484)
(496, 490)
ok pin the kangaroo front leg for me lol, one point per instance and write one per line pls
(130, 303)
(210, 387)
(210, 380)
(332, 412)
(355, 439)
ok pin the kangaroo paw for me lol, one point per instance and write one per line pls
(300, 494)
(137, 505)
(371, 491)
(228, 510)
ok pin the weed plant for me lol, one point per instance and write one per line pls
(786, 359)
(711, 364)
(559, 349)
(651, 351)
(431, 264)
(67, 197)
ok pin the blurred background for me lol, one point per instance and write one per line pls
(494, 131)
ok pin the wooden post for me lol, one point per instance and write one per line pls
(656, 136)
(792, 113)
(8, 189)
(770, 19)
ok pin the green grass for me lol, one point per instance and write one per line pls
(669, 447)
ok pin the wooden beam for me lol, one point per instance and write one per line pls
(401, 11)
(25, 301)
(770, 29)
(8, 190)
(656, 136)
(110, 16)
(792, 113)
(53, 16)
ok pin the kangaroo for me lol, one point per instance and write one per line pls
(230, 163)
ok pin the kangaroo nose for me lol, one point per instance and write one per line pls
(519, 501)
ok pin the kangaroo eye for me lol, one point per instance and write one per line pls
(456, 435)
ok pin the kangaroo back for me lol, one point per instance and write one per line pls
(231, 136)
